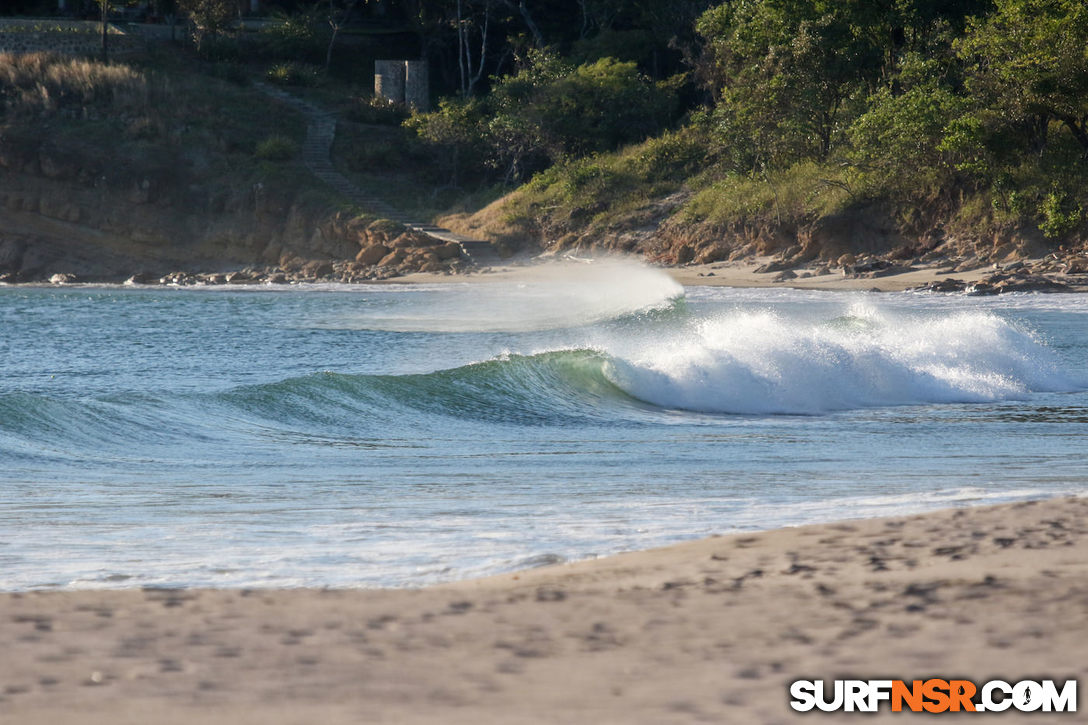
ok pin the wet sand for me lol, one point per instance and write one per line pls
(706, 631)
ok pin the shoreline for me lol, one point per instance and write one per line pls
(712, 629)
(746, 274)
(740, 274)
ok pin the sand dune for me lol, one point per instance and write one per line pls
(709, 631)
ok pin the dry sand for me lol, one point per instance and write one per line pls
(708, 631)
(724, 274)
(743, 274)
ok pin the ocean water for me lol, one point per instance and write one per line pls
(403, 435)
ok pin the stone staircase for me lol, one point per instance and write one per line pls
(317, 157)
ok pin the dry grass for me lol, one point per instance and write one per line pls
(36, 83)
(153, 117)
(86, 103)
(596, 194)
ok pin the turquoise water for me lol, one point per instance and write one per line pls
(397, 436)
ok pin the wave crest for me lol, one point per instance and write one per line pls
(764, 363)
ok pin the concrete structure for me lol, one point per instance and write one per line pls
(417, 85)
(403, 81)
(389, 80)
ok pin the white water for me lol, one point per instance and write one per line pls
(766, 361)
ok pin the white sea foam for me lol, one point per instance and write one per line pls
(759, 362)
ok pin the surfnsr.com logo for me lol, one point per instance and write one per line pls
(933, 695)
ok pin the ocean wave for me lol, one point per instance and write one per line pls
(35, 426)
(744, 362)
(549, 388)
(762, 362)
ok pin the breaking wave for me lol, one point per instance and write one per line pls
(738, 363)
(761, 362)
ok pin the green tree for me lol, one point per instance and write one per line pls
(555, 110)
(339, 14)
(1027, 64)
(551, 110)
(456, 131)
(210, 18)
(788, 77)
(897, 143)
(780, 72)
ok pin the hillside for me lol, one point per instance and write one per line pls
(162, 167)
(659, 200)
(837, 134)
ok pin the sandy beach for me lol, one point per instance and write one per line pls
(744, 274)
(734, 274)
(706, 631)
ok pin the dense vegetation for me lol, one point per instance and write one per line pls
(969, 114)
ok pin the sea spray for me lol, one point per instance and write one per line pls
(549, 296)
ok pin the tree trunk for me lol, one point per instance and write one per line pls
(336, 25)
(475, 78)
(537, 36)
(105, 30)
(462, 44)
(1040, 125)
(332, 42)
(1078, 129)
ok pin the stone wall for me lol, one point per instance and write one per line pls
(69, 37)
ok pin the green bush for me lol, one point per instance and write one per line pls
(1060, 216)
(219, 48)
(299, 37)
(457, 136)
(276, 148)
(293, 74)
(386, 149)
(632, 45)
(803, 192)
(673, 156)
(605, 188)
(548, 112)
(575, 111)
(897, 141)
